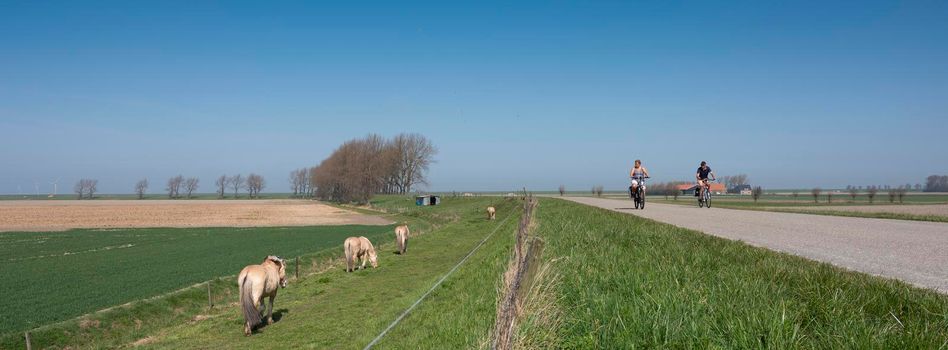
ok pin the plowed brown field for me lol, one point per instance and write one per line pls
(59, 215)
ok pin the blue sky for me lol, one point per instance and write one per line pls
(514, 94)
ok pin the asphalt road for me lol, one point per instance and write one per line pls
(913, 251)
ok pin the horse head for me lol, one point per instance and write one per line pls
(281, 263)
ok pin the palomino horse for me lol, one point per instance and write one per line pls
(359, 248)
(256, 282)
(401, 238)
(491, 213)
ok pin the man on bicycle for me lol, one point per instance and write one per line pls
(702, 175)
(638, 175)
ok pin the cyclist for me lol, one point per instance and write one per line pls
(702, 175)
(638, 175)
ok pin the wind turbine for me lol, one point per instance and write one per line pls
(55, 187)
(36, 187)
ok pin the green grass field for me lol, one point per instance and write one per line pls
(614, 281)
(67, 274)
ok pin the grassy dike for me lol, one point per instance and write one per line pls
(627, 282)
(168, 321)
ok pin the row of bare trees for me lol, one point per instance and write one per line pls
(87, 187)
(301, 182)
(253, 184)
(176, 183)
(360, 168)
(895, 193)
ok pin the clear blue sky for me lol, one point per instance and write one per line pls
(514, 94)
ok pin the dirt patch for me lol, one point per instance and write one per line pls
(109, 214)
(928, 209)
(144, 341)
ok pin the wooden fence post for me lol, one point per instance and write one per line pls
(297, 267)
(28, 345)
(210, 305)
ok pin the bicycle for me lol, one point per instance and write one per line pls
(704, 198)
(638, 196)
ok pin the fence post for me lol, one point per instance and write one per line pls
(28, 345)
(297, 267)
(210, 305)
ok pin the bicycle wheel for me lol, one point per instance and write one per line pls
(707, 200)
(642, 205)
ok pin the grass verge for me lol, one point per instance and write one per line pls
(629, 282)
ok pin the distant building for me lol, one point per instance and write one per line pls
(746, 192)
(427, 200)
(740, 189)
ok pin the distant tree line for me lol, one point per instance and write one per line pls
(361, 168)
(936, 183)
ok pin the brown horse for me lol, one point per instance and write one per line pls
(491, 213)
(256, 282)
(359, 248)
(401, 238)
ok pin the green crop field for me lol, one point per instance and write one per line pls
(54, 276)
(611, 281)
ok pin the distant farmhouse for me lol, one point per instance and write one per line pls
(744, 190)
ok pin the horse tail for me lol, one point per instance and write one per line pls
(347, 247)
(405, 242)
(251, 314)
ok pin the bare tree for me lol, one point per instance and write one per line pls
(141, 187)
(816, 194)
(871, 192)
(739, 179)
(79, 188)
(598, 190)
(416, 156)
(902, 191)
(174, 186)
(756, 192)
(237, 183)
(795, 194)
(829, 196)
(191, 185)
(221, 185)
(918, 187)
(853, 192)
(255, 184)
(92, 187)
(299, 181)
(562, 190)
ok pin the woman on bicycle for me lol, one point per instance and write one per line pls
(638, 175)
(702, 175)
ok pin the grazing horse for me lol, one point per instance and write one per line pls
(256, 282)
(359, 248)
(401, 238)
(491, 213)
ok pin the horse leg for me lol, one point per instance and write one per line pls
(270, 313)
(364, 258)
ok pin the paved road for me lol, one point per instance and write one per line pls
(912, 251)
